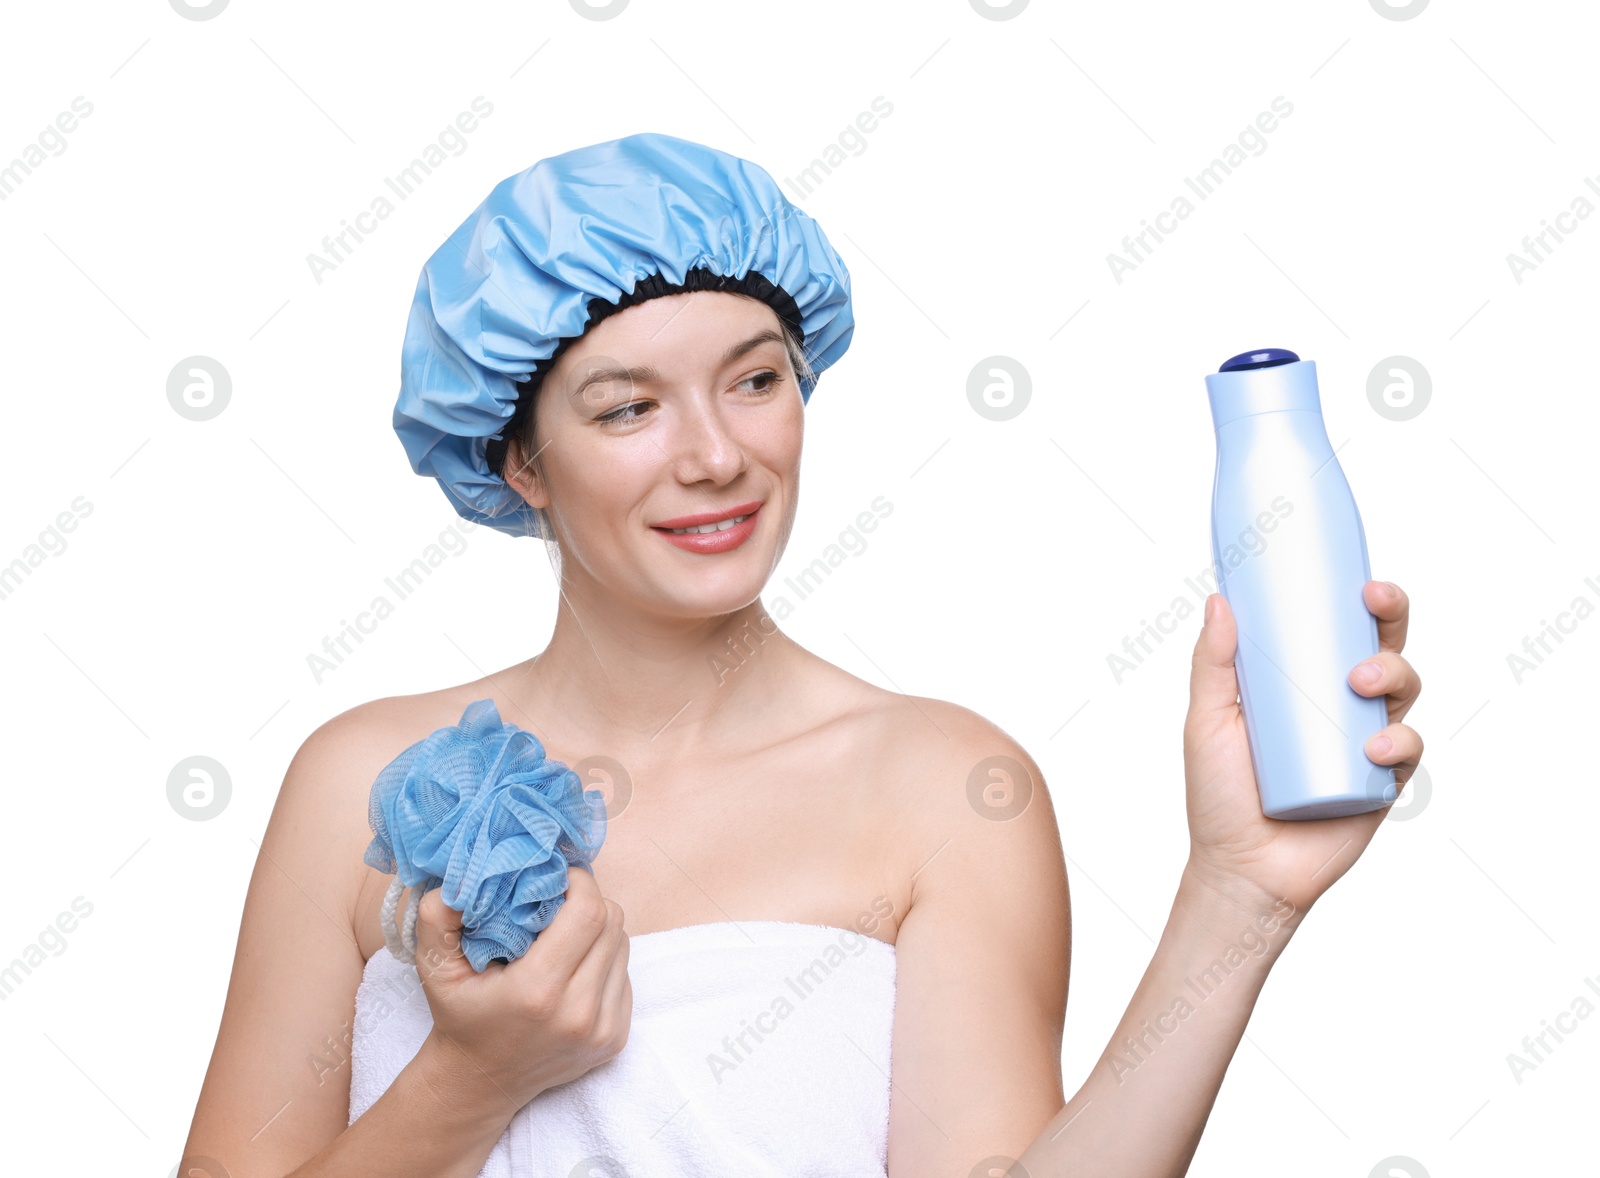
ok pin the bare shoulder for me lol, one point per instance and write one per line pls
(329, 780)
(376, 731)
(967, 795)
(370, 735)
(951, 761)
(343, 755)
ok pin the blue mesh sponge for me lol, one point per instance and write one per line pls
(479, 810)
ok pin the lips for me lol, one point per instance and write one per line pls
(709, 529)
(700, 519)
(722, 534)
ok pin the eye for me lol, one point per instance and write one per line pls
(621, 413)
(768, 379)
(771, 377)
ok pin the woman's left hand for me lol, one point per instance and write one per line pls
(1233, 846)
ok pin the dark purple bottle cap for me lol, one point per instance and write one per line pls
(1261, 358)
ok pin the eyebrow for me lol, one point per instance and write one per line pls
(644, 374)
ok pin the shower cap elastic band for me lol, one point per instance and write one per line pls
(555, 248)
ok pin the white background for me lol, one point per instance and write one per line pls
(976, 221)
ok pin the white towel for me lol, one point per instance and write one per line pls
(758, 1049)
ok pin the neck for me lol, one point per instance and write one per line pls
(618, 680)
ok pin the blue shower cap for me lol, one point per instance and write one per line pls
(555, 248)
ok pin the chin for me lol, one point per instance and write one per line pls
(715, 592)
(711, 602)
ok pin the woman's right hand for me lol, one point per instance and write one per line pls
(503, 1036)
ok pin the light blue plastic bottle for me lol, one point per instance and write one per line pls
(1291, 559)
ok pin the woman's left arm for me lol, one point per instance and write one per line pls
(1246, 888)
(1248, 884)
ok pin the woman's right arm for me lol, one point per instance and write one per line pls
(276, 1098)
(418, 1127)
(277, 1091)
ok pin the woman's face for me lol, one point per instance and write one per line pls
(679, 406)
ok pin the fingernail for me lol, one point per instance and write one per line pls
(1382, 746)
(1390, 589)
(1368, 673)
(1211, 608)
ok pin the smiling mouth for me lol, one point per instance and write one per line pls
(719, 526)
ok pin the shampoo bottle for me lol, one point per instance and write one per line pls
(1291, 559)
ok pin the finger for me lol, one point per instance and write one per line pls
(591, 973)
(439, 953)
(1213, 683)
(1404, 748)
(619, 992)
(617, 981)
(1392, 609)
(616, 974)
(1396, 679)
(616, 1000)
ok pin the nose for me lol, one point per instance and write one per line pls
(705, 448)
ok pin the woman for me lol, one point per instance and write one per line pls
(614, 353)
